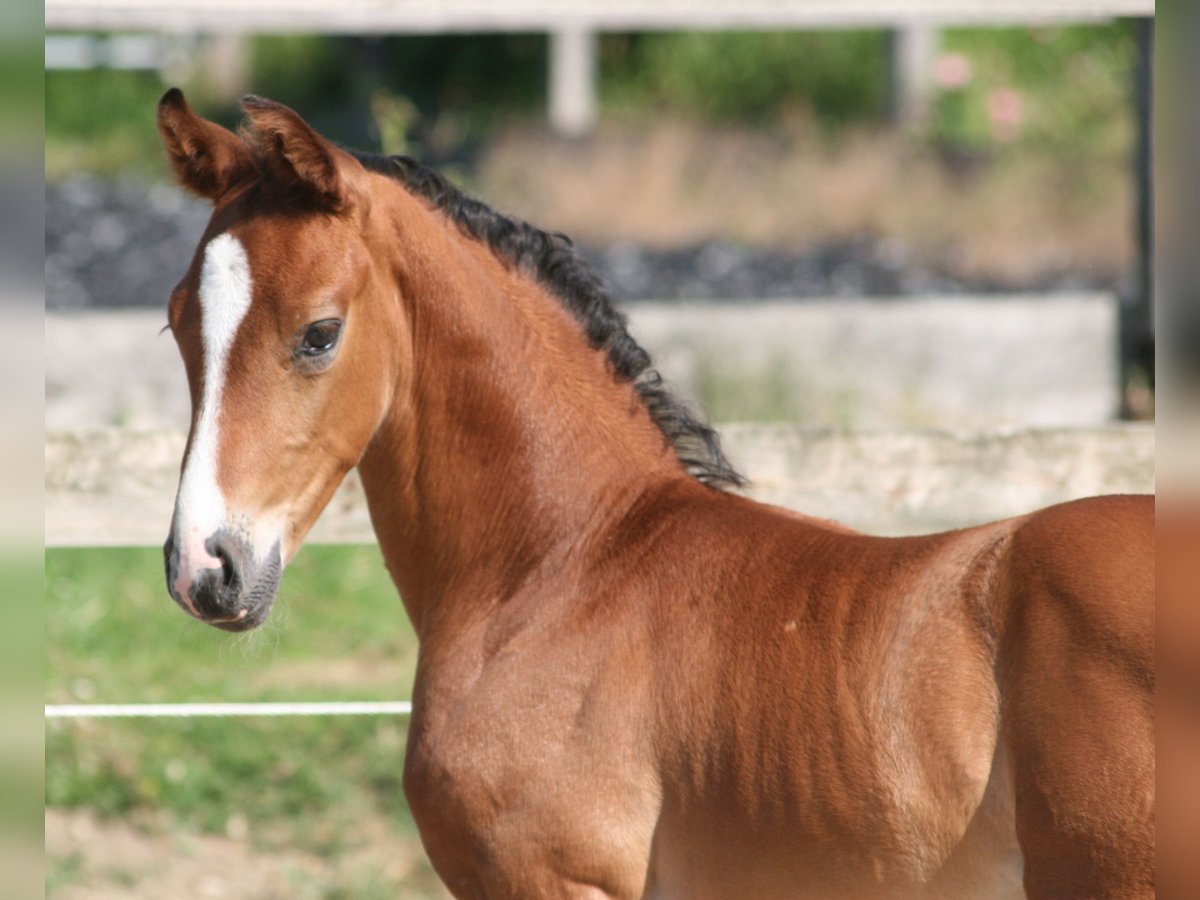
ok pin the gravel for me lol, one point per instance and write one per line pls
(125, 243)
(117, 244)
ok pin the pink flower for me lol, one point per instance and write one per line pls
(1005, 114)
(951, 71)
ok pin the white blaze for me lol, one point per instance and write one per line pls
(225, 294)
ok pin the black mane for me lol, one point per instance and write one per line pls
(553, 261)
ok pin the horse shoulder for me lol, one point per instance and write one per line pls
(1077, 671)
(516, 720)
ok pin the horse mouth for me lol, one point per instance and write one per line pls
(243, 620)
(240, 608)
(236, 597)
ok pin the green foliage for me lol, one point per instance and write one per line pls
(302, 70)
(1068, 90)
(484, 76)
(1064, 90)
(838, 76)
(101, 121)
(394, 117)
(459, 86)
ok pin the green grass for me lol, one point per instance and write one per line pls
(109, 621)
(102, 122)
(338, 631)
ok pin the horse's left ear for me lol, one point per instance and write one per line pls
(295, 152)
(206, 158)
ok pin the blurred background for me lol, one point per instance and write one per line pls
(903, 259)
(690, 166)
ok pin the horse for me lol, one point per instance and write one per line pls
(633, 681)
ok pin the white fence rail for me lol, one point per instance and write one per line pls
(442, 16)
(225, 710)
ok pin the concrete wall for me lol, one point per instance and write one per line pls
(946, 362)
(939, 362)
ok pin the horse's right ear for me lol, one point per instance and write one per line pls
(207, 158)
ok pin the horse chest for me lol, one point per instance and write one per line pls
(512, 781)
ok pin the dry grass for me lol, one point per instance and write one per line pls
(678, 183)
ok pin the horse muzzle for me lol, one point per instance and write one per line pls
(226, 586)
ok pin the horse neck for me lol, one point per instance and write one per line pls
(508, 442)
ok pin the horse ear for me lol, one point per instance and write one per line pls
(296, 153)
(207, 158)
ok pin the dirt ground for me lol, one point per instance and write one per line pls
(88, 858)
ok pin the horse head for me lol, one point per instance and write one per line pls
(284, 327)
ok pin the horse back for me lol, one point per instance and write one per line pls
(876, 704)
(832, 715)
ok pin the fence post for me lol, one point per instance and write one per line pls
(1137, 336)
(573, 80)
(912, 49)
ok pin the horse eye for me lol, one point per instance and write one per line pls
(320, 337)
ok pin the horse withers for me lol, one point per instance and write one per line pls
(633, 681)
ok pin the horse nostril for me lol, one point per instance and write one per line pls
(223, 550)
(227, 569)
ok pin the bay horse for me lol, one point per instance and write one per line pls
(632, 680)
